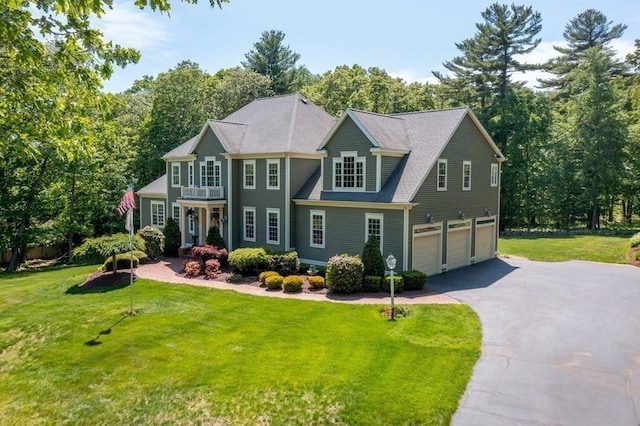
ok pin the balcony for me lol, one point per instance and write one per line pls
(202, 193)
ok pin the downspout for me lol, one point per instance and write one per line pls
(287, 203)
(229, 204)
(405, 237)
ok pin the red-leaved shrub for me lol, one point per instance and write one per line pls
(192, 268)
(211, 268)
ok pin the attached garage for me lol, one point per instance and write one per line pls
(485, 238)
(458, 244)
(427, 248)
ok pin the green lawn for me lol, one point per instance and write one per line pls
(204, 356)
(597, 248)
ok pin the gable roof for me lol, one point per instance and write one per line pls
(424, 135)
(157, 188)
(287, 123)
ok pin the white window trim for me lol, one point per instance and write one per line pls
(161, 218)
(275, 161)
(277, 212)
(178, 219)
(245, 210)
(245, 163)
(446, 172)
(465, 163)
(357, 159)
(192, 225)
(380, 217)
(203, 172)
(493, 180)
(192, 175)
(174, 166)
(321, 213)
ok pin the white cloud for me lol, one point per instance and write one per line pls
(414, 76)
(131, 27)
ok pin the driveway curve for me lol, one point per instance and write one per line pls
(560, 345)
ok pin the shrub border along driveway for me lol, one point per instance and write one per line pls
(560, 343)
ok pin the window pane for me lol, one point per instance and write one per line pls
(317, 233)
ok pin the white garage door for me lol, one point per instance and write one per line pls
(458, 244)
(485, 239)
(427, 243)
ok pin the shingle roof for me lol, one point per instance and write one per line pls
(183, 150)
(156, 188)
(424, 134)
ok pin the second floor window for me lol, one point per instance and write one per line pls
(273, 174)
(191, 174)
(442, 175)
(249, 174)
(175, 174)
(348, 172)
(494, 174)
(210, 172)
(466, 175)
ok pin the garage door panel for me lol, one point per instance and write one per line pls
(458, 245)
(484, 243)
(426, 254)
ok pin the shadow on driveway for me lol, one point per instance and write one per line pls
(481, 275)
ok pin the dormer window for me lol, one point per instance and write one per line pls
(349, 172)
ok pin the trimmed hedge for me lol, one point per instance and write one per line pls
(153, 240)
(247, 261)
(344, 274)
(316, 282)
(283, 263)
(635, 240)
(142, 256)
(292, 284)
(398, 283)
(413, 280)
(274, 282)
(371, 283)
(93, 249)
(206, 252)
(192, 268)
(266, 274)
(211, 268)
(123, 261)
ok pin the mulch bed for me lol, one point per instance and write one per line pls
(100, 282)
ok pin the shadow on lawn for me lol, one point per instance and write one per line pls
(95, 341)
(102, 282)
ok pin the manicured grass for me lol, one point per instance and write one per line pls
(597, 248)
(204, 356)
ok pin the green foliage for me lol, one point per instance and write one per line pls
(292, 284)
(214, 238)
(172, 238)
(274, 282)
(635, 240)
(266, 274)
(371, 283)
(153, 239)
(247, 260)
(192, 268)
(372, 258)
(637, 254)
(316, 282)
(283, 263)
(142, 256)
(236, 87)
(344, 274)
(99, 248)
(398, 283)
(123, 261)
(413, 280)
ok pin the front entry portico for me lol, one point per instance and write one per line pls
(199, 217)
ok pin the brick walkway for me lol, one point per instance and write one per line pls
(166, 271)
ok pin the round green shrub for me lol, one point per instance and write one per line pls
(247, 261)
(99, 248)
(292, 284)
(266, 274)
(214, 238)
(274, 282)
(316, 282)
(283, 263)
(635, 240)
(142, 256)
(153, 240)
(413, 279)
(371, 283)
(344, 274)
(123, 261)
(398, 283)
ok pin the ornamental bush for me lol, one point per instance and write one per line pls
(292, 284)
(283, 263)
(413, 280)
(96, 249)
(247, 261)
(372, 258)
(123, 261)
(266, 274)
(635, 240)
(398, 283)
(172, 238)
(274, 282)
(344, 274)
(211, 268)
(153, 240)
(316, 282)
(214, 238)
(192, 268)
(206, 252)
(371, 283)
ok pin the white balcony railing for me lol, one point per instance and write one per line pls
(203, 193)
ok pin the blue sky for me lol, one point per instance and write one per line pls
(407, 38)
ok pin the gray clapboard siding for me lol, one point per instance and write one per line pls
(301, 171)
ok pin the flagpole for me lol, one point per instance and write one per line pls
(130, 222)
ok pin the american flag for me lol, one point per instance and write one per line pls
(128, 201)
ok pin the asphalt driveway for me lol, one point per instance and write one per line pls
(560, 346)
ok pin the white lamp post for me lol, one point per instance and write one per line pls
(391, 264)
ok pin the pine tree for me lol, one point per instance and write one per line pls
(372, 258)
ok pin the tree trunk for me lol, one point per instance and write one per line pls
(72, 198)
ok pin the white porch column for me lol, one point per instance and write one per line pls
(208, 223)
(184, 226)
